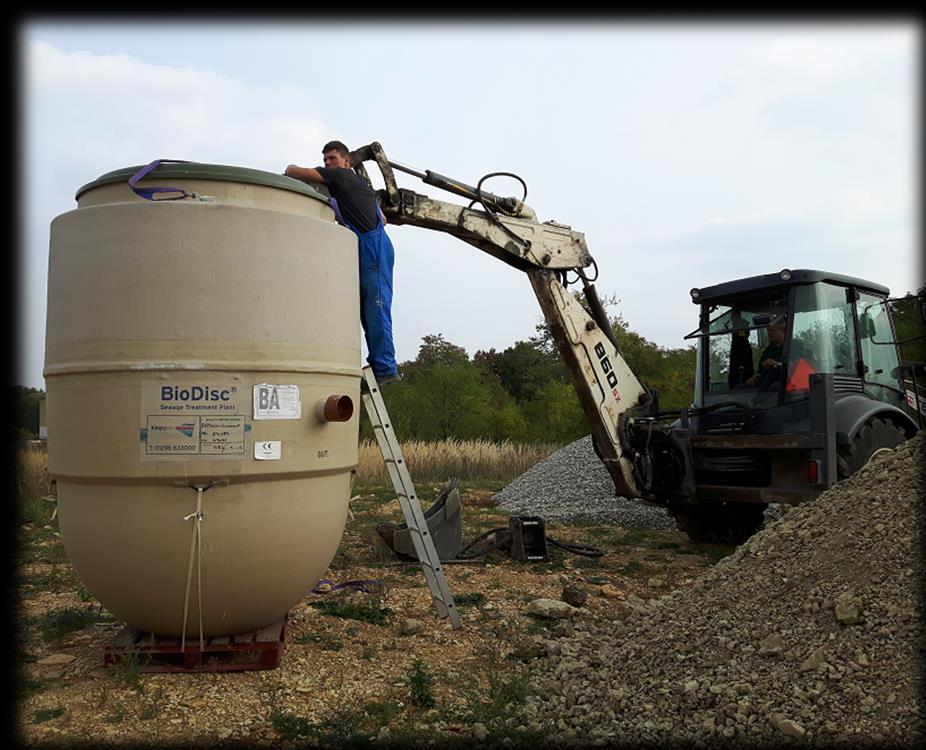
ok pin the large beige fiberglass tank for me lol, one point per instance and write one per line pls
(191, 348)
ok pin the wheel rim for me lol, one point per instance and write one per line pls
(878, 452)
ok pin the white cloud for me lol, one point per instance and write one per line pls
(685, 156)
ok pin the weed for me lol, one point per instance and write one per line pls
(128, 670)
(587, 562)
(668, 545)
(368, 652)
(420, 682)
(46, 714)
(370, 612)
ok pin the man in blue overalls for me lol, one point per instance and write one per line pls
(355, 207)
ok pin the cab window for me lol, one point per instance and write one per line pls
(879, 354)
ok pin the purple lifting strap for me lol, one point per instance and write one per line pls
(337, 211)
(149, 192)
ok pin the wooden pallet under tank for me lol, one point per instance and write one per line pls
(259, 649)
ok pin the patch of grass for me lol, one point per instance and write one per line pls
(55, 625)
(667, 545)
(364, 611)
(420, 682)
(635, 568)
(327, 641)
(538, 628)
(469, 600)
(290, 727)
(587, 562)
(46, 714)
(58, 579)
(342, 729)
(26, 687)
(382, 712)
(632, 537)
(491, 692)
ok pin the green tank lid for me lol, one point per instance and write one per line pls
(198, 171)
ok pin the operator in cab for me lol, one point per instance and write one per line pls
(770, 359)
(355, 207)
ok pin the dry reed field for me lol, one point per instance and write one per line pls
(463, 459)
(427, 462)
(32, 481)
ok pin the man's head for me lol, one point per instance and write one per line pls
(336, 155)
(776, 332)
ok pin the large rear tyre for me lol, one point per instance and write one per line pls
(875, 437)
(719, 522)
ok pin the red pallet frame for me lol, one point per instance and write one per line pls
(262, 649)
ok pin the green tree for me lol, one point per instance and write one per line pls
(670, 371)
(523, 369)
(909, 317)
(443, 395)
(554, 414)
(26, 408)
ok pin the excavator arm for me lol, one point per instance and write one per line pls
(506, 228)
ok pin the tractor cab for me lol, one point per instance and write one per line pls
(761, 338)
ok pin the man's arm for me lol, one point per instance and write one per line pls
(305, 174)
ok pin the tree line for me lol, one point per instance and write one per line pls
(522, 393)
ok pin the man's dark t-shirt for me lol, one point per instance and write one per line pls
(355, 198)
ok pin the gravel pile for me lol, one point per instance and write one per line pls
(573, 485)
(810, 633)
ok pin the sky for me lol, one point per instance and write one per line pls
(688, 154)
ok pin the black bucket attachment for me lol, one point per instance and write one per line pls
(528, 538)
(444, 525)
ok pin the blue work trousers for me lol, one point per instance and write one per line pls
(377, 257)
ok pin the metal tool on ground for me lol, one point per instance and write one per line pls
(417, 525)
(443, 519)
(523, 539)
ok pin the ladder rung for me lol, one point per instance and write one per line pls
(431, 564)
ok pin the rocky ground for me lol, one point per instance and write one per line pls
(348, 674)
(810, 634)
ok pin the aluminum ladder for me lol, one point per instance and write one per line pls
(408, 499)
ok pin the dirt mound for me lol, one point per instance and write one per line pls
(812, 630)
